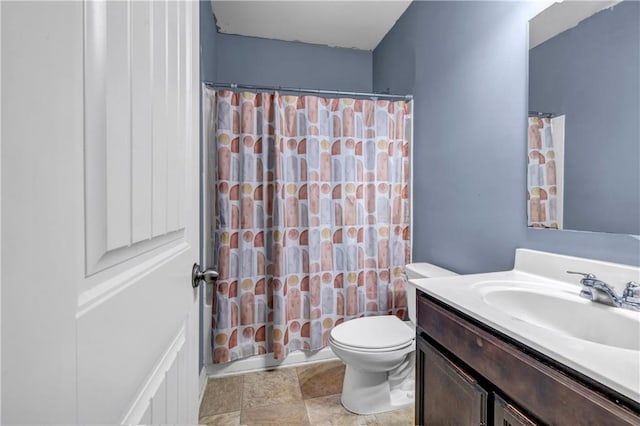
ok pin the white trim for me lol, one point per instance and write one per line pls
(110, 258)
(411, 144)
(99, 294)
(208, 223)
(155, 380)
(202, 384)
(264, 362)
(557, 135)
(0, 213)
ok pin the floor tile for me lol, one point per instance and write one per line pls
(328, 410)
(271, 388)
(321, 379)
(289, 413)
(225, 419)
(308, 395)
(404, 417)
(222, 395)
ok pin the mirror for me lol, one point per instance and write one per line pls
(583, 166)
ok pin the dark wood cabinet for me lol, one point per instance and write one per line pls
(449, 396)
(461, 362)
(505, 414)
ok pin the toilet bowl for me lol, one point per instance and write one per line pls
(379, 354)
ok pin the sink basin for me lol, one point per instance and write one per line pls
(561, 310)
(539, 305)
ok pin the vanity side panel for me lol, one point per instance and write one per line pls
(420, 366)
(548, 394)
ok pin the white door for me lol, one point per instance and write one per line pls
(99, 211)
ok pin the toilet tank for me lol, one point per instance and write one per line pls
(421, 270)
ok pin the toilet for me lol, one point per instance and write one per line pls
(379, 354)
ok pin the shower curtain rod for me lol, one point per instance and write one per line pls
(542, 114)
(374, 96)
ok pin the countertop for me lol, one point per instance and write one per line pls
(614, 367)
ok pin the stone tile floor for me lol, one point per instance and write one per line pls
(308, 395)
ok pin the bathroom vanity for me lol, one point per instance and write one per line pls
(522, 347)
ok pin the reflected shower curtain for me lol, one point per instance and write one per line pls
(312, 218)
(541, 175)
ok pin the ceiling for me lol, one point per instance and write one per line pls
(352, 24)
(562, 16)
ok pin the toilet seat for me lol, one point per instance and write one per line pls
(373, 334)
(370, 350)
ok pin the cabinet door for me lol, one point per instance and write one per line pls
(506, 414)
(447, 395)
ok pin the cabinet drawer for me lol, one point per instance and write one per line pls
(505, 414)
(548, 394)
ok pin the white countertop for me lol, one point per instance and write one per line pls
(614, 367)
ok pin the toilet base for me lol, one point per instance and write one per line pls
(370, 392)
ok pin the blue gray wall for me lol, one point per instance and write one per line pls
(466, 65)
(258, 61)
(208, 42)
(591, 73)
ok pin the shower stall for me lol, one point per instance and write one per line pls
(306, 218)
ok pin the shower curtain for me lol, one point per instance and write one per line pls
(311, 218)
(541, 175)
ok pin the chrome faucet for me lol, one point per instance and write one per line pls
(600, 292)
(631, 294)
(596, 290)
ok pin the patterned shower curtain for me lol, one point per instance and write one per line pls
(541, 175)
(311, 215)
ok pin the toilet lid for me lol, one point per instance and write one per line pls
(373, 332)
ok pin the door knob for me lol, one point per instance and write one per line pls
(197, 275)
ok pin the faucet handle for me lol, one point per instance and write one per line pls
(587, 275)
(631, 292)
(588, 282)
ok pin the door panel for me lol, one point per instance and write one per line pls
(152, 306)
(163, 396)
(141, 119)
(42, 216)
(134, 188)
(208, 221)
(121, 339)
(109, 333)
